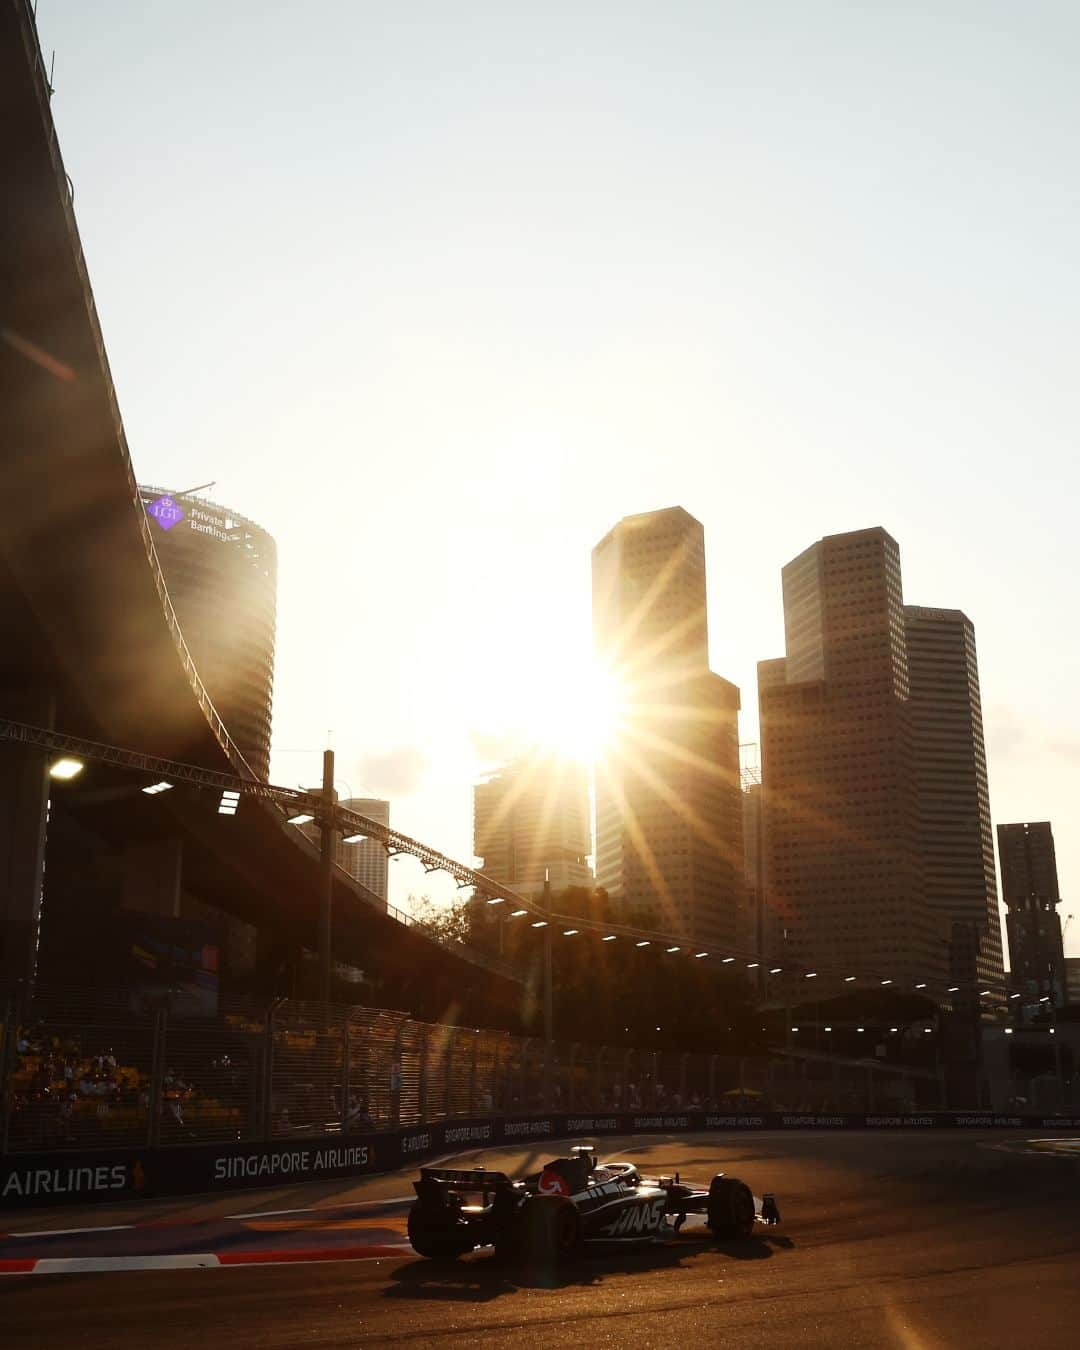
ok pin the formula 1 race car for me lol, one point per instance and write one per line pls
(573, 1203)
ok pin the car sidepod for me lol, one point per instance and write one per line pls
(624, 1214)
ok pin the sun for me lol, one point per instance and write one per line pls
(577, 714)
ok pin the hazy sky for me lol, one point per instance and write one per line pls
(438, 291)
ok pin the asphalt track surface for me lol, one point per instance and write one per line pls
(919, 1241)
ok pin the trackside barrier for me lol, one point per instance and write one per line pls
(91, 1069)
(31, 1180)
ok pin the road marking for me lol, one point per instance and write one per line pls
(316, 1209)
(69, 1265)
(68, 1232)
(102, 1265)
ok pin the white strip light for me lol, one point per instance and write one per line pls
(357, 839)
(517, 913)
(66, 768)
(301, 817)
(496, 900)
(540, 923)
(229, 802)
(727, 960)
(674, 949)
(610, 937)
(570, 932)
(155, 788)
(642, 944)
(699, 955)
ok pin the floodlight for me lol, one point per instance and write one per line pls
(354, 838)
(155, 788)
(301, 818)
(65, 769)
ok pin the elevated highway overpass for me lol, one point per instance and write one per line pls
(90, 643)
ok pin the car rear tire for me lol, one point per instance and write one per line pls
(730, 1212)
(436, 1234)
(550, 1232)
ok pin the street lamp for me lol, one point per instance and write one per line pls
(65, 769)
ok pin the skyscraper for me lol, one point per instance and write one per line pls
(668, 803)
(749, 937)
(531, 821)
(367, 861)
(843, 880)
(956, 840)
(221, 572)
(1029, 885)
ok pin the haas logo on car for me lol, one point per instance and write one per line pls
(552, 1183)
(644, 1218)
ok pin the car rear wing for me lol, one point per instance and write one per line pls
(445, 1186)
(475, 1179)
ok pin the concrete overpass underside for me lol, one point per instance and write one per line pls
(89, 643)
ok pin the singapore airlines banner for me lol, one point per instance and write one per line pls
(28, 1180)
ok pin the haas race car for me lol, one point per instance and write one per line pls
(574, 1203)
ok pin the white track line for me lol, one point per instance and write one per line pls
(72, 1265)
(68, 1232)
(322, 1209)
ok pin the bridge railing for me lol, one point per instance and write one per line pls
(85, 1068)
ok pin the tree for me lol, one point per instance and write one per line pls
(447, 923)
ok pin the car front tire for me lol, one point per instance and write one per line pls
(730, 1212)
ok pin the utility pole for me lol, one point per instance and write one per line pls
(548, 1010)
(327, 840)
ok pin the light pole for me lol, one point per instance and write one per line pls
(327, 839)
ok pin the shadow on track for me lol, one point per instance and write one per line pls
(481, 1278)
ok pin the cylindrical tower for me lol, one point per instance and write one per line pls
(221, 571)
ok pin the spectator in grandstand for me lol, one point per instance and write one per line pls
(359, 1118)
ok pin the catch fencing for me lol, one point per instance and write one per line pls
(83, 1069)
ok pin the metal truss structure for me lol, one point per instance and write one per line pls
(294, 801)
